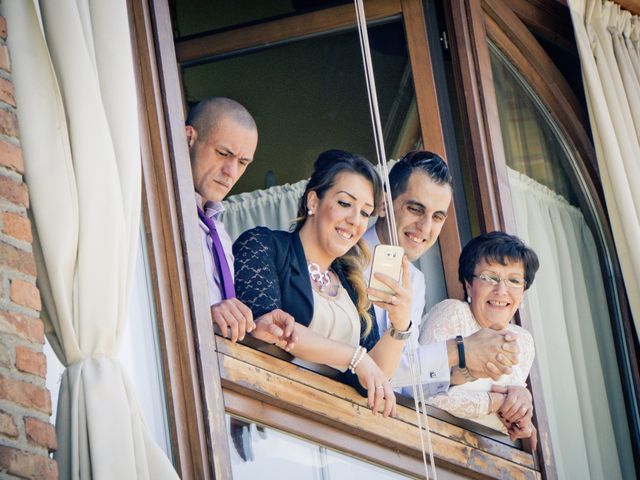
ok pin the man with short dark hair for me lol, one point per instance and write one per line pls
(222, 137)
(421, 189)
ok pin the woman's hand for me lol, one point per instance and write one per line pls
(517, 404)
(380, 394)
(277, 327)
(523, 429)
(397, 304)
(516, 413)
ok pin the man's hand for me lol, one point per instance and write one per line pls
(276, 327)
(233, 315)
(490, 354)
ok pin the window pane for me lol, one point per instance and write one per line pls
(568, 300)
(531, 146)
(263, 452)
(308, 96)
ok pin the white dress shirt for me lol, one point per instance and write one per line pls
(214, 283)
(432, 359)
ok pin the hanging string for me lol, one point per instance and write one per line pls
(375, 119)
(418, 392)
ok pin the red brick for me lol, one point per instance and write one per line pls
(25, 394)
(29, 361)
(7, 92)
(3, 28)
(27, 465)
(11, 156)
(25, 294)
(40, 433)
(17, 259)
(22, 326)
(9, 124)
(16, 226)
(15, 192)
(5, 60)
(8, 426)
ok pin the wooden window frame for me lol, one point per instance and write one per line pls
(205, 373)
(473, 22)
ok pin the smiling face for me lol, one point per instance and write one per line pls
(218, 161)
(339, 218)
(420, 213)
(493, 306)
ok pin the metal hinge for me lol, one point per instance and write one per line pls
(444, 40)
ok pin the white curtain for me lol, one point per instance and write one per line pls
(75, 89)
(608, 40)
(275, 207)
(573, 338)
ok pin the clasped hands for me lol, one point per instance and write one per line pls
(514, 406)
(235, 318)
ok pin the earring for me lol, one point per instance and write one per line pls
(468, 299)
(309, 212)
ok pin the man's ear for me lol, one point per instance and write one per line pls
(192, 136)
(380, 212)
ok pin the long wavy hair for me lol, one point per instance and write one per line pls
(326, 169)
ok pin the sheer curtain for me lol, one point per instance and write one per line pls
(574, 346)
(73, 75)
(275, 207)
(608, 40)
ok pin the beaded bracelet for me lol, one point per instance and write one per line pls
(358, 355)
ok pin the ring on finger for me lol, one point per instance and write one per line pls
(392, 300)
(379, 386)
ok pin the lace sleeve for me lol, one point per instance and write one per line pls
(256, 280)
(445, 320)
(462, 403)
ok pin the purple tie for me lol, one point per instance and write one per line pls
(219, 257)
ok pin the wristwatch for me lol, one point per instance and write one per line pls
(400, 334)
(462, 364)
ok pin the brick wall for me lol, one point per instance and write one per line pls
(26, 436)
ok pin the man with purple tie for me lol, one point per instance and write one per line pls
(222, 137)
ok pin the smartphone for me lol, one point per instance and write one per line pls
(387, 259)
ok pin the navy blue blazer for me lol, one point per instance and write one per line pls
(271, 272)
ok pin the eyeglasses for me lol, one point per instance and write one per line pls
(509, 282)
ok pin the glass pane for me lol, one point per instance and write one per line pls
(139, 351)
(575, 347)
(263, 452)
(308, 96)
(531, 146)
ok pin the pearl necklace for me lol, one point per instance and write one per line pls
(323, 279)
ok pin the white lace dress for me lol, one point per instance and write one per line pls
(471, 400)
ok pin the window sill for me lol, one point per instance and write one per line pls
(254, 382)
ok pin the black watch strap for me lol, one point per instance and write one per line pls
(460, 343)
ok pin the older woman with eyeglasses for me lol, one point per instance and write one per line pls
(495, 269)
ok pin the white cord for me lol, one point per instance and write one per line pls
(375, 118)
(418, 392)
